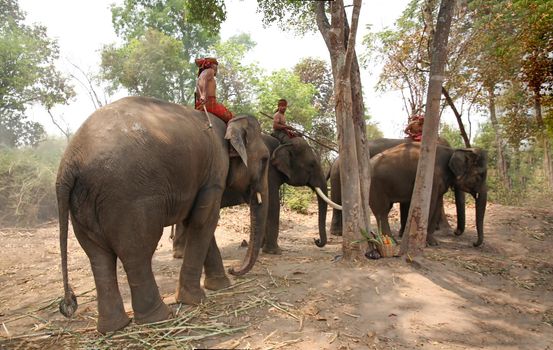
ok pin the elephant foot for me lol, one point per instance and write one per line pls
(272, 250)
(178, 253)
(216, 282)
(335, 231)
(160, 313)
(190, 296)
(109, 323)
(458, 232)
(431, 241)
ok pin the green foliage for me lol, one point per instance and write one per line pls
(27, 76)
(285, 84)
(297, 198)
(373, 132)
(237, 83)
(524, 168)
(27, 178)
(452, 135)
(148, 66)
(162, 37)
(317, 72)
(289, 15)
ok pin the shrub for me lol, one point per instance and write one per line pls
(296, 198)
(27, 179)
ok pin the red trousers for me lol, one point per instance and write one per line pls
(216, 108)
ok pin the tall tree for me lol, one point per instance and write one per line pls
(182, 29)
(417, 223)
(317, 72)
(340, 39)
(238, 83)
(27, 76)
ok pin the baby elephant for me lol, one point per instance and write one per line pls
(393, 179)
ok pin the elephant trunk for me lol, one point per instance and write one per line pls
(481, 201)
(460, 206)
(258, 220)
(321, 241)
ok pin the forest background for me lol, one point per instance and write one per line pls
(500, 84)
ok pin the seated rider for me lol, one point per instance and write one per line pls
(206, 87)
(414, 128)
(282, 131)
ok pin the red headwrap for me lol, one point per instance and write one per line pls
(282, 102)
(207, 62)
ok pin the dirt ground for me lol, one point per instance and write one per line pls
(499, 296)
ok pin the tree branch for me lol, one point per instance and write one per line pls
(66, 133)
(457, 115)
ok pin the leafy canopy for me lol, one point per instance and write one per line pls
(27, 76)
(161, 37)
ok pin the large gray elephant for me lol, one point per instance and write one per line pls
(140, 164)
(394, 173)
(293, 163)
(377, 146)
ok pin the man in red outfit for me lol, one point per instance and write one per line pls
(206, 87)
(414, 128)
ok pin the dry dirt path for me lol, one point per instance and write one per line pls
(499, 296)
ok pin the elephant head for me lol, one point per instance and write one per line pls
(249, 158)
(299, 166)
(469, 166)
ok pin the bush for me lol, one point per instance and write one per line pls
(27, 180)
(296, 198)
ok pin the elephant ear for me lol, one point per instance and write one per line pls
(237, 137)
(281, 159)
(461, 161)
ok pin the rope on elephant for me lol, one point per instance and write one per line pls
(301, 133)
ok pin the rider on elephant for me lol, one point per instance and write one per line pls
(206, 87)
(414, 128)
(282, 131)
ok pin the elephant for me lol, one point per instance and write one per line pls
(140, 164)
(394, 173)
(293, 163)
(377, 146)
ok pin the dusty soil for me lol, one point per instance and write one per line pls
(499, 296)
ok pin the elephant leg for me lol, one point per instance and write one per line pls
(199, 230)
(179, 241)
(382, 222)
(442, 223)
(111, 312)
(403, 214)
(215, 276)
(336, 223)
(146, 301)
(270, 242)
(434, 216)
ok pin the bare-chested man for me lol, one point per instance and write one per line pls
(414, 128)
(206, 88)
(282, 131)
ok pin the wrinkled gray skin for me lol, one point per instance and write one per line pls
(393, 178)
(138, 165)
(295, 164)
(377, 146)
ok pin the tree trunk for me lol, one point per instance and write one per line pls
(417, 223)
(547, 166)
(340, 41)
(501, 163)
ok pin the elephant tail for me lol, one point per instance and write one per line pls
(64, 185)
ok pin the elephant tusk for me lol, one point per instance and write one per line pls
(259, 201)
(327, 200)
